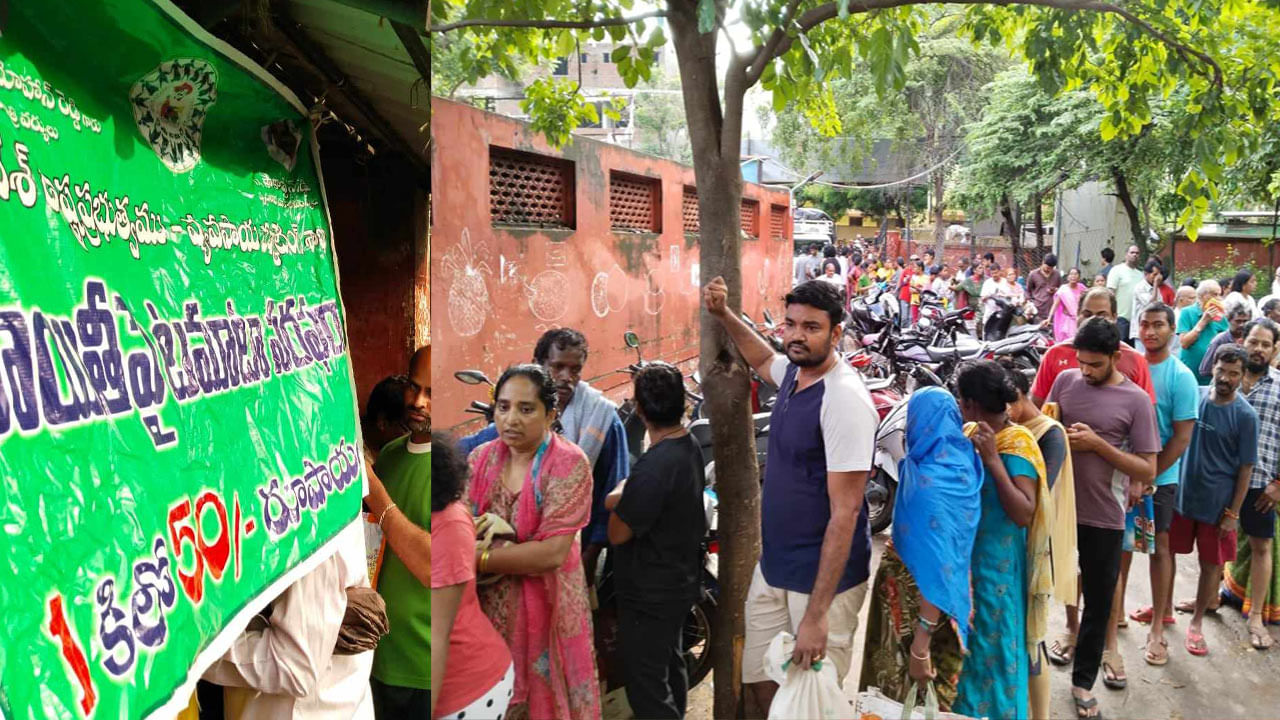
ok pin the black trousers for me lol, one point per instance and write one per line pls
(391, 702)
(653, 660)
(1099, 571)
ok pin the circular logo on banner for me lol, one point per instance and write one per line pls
(170, 104)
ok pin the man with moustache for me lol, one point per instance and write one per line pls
(1215, 479)
(812, 576)
(1261, 388)
(401, 679)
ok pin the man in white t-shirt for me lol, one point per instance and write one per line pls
(812, 576)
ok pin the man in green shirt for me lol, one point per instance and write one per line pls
(1124, 280)
(1199, 324)
(969, 292)
(400, 498)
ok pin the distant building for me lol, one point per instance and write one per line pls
(601, 84)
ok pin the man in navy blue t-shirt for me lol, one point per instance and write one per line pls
(811, 579)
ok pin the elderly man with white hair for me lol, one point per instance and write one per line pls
(1199, 324)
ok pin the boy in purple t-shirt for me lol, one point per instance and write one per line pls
(1111, 426)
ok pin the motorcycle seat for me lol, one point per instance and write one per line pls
(939, 354)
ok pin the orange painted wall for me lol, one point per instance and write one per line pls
(495, 290)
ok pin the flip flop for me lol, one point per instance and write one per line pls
(1083, 706)
(1260, 639)
(1196, 644)
(1112, 670)
(1144, 613)
(1157, 659)
(1063, 650)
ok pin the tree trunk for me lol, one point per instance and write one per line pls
(715, 137)
(1130, 208)
(939, 225)
(1012, 226)
(1040, 250)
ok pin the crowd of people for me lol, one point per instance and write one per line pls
(1016, 492)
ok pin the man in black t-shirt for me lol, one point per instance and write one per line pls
(656, 527)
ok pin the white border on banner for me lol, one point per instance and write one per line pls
(219, 645)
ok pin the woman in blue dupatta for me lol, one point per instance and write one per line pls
(920, 603)
(993, 682)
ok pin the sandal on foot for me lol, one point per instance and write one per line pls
(1113, 674)
(1063, 650)
(1196, 644)
(1260, 639)
(1157, 659)
(1144, 613)
(1083, 707)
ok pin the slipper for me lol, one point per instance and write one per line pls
(1113, 671)
(1188, 607)
(1260, 639)
(1122, 623)
(1196, 644)
(1157, 659)
(1063, 650)
(1144, 613)
(1084, 706)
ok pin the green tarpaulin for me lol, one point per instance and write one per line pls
(177, 418)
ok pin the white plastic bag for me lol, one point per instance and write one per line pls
(803, 693)
(873, 704)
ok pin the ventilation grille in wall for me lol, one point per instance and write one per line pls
(777, 222)
(528, 189)
(750, 215)
(689, 208)
(635, 203)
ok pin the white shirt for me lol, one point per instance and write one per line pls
(1239, 297)
(942, 288)
(285, 667)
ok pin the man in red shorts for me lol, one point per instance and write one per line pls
(1098, 302)
(1215, 477)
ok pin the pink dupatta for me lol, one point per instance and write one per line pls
(552, 642)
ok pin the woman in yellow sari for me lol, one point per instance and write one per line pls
(1011, 576)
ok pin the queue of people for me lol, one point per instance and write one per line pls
(1015, 493)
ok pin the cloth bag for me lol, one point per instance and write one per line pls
(812, 693)
(872, 705)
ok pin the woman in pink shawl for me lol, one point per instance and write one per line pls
(1066, 302)
(540, 484)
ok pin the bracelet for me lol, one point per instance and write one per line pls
(917, 657)
(383, 517)
(484, 561)
(927, 625)
(1231, 513)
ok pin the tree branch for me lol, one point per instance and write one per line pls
(566, 24)
(780, 41)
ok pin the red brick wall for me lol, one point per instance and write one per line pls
(497, 289)
(1205, 251)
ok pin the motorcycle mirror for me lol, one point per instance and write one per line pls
(748, 320)
(472, 377)
(768, 319)
(632, 340)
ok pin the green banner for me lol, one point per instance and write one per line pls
(178, 434)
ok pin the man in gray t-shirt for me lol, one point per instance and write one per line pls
(1111, 427)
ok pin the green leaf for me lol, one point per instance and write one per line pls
(706, 16)
(619, 53)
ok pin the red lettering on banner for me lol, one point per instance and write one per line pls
(71, 651)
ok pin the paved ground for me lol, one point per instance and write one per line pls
(1233, 681)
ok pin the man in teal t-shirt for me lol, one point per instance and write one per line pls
(401, 679)
(1177, 407)
(1196, 329)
